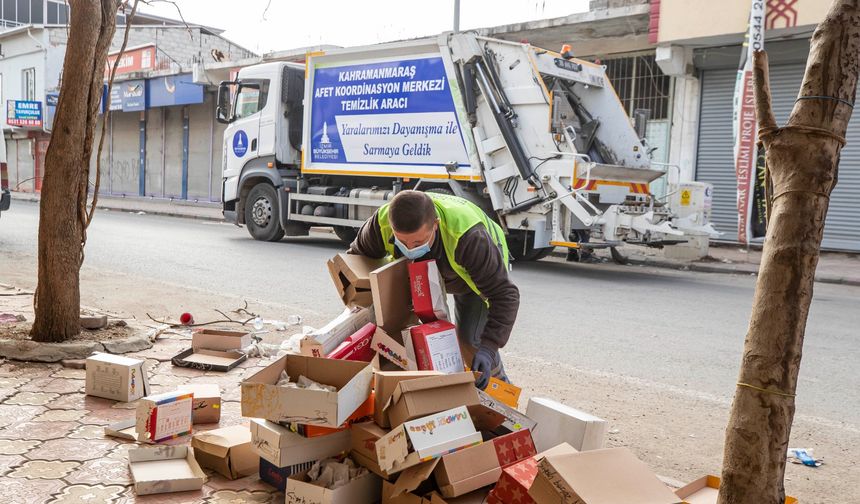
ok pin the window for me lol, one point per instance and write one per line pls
(63, 13)
(252, 97)
(28, 83)
(9, 11)
(640, 84)
(36, 15)
(53, 14)
(23, 11)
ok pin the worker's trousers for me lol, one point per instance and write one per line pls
(470, 312)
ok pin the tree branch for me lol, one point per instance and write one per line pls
(761, 87)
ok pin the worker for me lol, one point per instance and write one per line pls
(472, 257)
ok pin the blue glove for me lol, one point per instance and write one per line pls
(484, 362)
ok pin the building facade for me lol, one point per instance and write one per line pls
(161, 140)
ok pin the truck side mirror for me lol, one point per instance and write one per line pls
(222, 107)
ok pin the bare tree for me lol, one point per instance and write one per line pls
(802, 161)
(63, 214)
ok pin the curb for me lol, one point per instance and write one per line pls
(164, 213)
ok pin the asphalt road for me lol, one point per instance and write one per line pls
(681, 330)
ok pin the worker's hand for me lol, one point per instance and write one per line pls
(484, 362)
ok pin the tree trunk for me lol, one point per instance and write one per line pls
(62, 212)
(802, 160)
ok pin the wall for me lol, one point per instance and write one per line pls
(180, 45)
(20, 52)
(697, 19)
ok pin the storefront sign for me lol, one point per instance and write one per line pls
(174, 90)
(133, 60)
(24, 113)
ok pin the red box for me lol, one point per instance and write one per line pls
(513, 486)
(429, 300)
(513, 447)
(356, 347)
(436, 347)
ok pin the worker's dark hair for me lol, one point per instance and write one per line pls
(409, 211)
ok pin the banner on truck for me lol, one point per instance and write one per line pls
(394, 115)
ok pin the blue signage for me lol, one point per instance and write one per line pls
(174, 90)
(390, 113)
(51, 99)
(240, 143)
(24, 113)
(132, 94)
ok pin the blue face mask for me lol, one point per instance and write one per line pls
(414, 253)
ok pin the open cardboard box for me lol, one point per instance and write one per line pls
(559, 423)
(362, 414)
(325, 340)
(429, 497)
(392, 300)
(514, 420)
(606, 476)
(116, 377)
(366, 489)
(516, 479)
(392, 351)
(263, 398)
(209, 360)
(206, 407)
(220, 339)
(226, 451)
(384, 384)
(164, 469)
(284, 448)
(351, 277)
(425, 396)
(277, 476)
(164, 416)
(705, 489)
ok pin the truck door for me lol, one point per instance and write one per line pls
(243, 139)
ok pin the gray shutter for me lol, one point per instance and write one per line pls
(715, 163)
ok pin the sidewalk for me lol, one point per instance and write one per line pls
(833, 267)
(155, 206)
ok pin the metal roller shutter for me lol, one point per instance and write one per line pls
(716, 166)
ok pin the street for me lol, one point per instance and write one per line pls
(655, 352)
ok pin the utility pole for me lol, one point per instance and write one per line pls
(456, 16)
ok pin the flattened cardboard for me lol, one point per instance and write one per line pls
(116, 377)
(124, 430)
(263, 398)
(227, 451)
(323, 341)
(357, 346)
(220, 339)
(436, 347)
(383, 388)
(705, 489)
(351, 277)
(507, 393)
(366, 489)
(277, 476)
(283, 448)
(514, 420)
(425, 396)
(559, 423)
(164, 469)
(429, 300)
(206, 407)
(209, 360)
(392, 350)
(391, 295)
(164, 416)
(605, 476)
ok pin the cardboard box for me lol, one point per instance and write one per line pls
(391, 295)
(558, 423)
(164, 469)
(389, 496)
(364, 413)
(437, 347)
(209, 360)
(164, 416)
(206, 407)
(219, 339)
(392, 350)
(126, 429)
(606, 476)
(351, 277)
(429, 300)
(513, 486)
(383, 388)
(226, 451)
(263, 398)
(357, 346)
(507, 393)
(704, 491)
(323, 341)
(514, 420)
(425, 396)
(363, 438)
(116, 377)
(277, 476)
(284, 448)
(366, 489)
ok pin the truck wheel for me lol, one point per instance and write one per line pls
(346, 234)
(521, 248)
(261, 213)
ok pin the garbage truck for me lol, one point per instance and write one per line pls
(536, 138)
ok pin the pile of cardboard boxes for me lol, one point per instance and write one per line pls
(379, 406)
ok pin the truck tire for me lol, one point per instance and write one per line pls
(261, 213)
(525, 251)
(346, 234)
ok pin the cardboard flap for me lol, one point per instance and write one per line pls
(485, 419)
(391, 294)
(392, 448)
(392, 350)
(432, 382)
(219, 441)
(412, 477)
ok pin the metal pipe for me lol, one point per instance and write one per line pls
(211, 142)
(456, 16)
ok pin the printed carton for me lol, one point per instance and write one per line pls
(206, 407)
(429, 300)
(284, 448)
(116, 377)
(164, 416)
(436, 347)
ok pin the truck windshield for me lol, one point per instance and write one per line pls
(251, 97)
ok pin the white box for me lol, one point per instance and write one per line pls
(116, 377)
(558, 423)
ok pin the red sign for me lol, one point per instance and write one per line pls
(132, 60)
